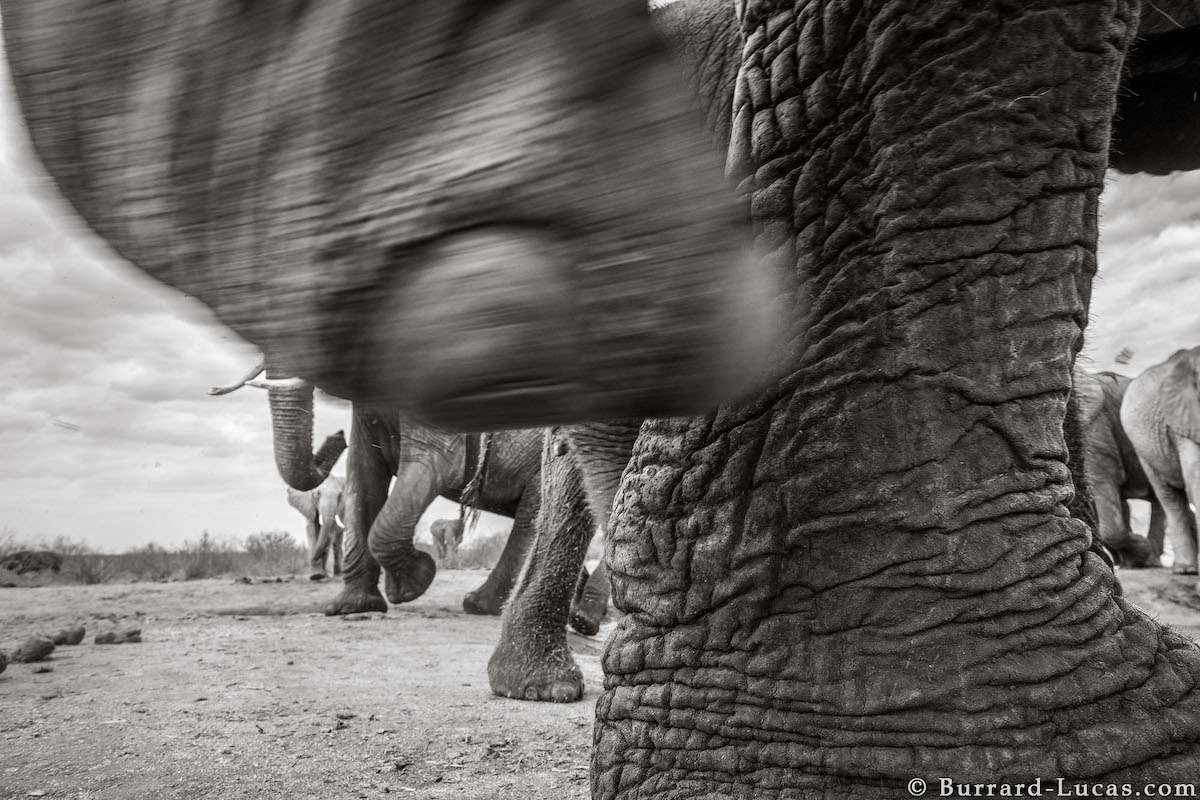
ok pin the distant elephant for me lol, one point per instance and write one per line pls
(861, 566)
(1161, 415)
(321, 507)
(1113, 472)
(447, 535)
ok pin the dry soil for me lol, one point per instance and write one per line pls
(246, 691)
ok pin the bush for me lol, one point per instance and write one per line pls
(264, 553)
(149, 562)
(275, 552)
(81, 562)
(9, 542)
(208, 557)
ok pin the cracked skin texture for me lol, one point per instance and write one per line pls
(868, 572)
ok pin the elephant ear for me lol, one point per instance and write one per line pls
(304, 502)
(1180, 398)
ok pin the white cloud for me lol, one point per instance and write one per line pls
(1145, 295)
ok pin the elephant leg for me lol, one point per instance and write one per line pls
(1185, 545)
(336, 547)
(367, 478)
(324, 543)
(489, 598)
(601, 451)
(316, 552)
(407, 570)
(590, 605)
(1180, 530)
(1112, 524)
(532, 660)
(1156, 533)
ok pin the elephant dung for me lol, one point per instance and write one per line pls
(129, 636)
(36, 648)
(73, 635)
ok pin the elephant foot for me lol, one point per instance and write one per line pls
(587, 612)
(410, 579)
(1183, 569)
(484, 602)
(522, 671)
(1134, 553)
(356, 601)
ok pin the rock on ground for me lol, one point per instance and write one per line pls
(36, 648)
(72, 635)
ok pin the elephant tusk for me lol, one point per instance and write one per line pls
(233, 387)
(286, 384)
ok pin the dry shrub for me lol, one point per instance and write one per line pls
(81, 562)
(150, 562)
(275, 553)
(208, 557)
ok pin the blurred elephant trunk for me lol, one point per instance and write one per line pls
(292, 426)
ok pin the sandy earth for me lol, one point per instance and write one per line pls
(245, 691)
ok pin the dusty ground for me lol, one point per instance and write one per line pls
(245, 691)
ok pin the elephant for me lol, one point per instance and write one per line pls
(1161, 415)
(447, 536)
(1114, 473)
(425, 462)
(580, 470)
(845, 540)
(321, 508)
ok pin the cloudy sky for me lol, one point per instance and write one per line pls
(107, 435)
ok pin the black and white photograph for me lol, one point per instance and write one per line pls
(599, 400)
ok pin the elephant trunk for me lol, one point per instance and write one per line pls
(292, 426)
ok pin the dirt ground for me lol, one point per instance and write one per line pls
(246, 691)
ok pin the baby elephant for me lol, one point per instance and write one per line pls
(447, 536)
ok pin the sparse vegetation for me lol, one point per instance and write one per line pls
(266, 553)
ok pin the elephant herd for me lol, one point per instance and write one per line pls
(851, 536)
(557, 484)
(1139, 438)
